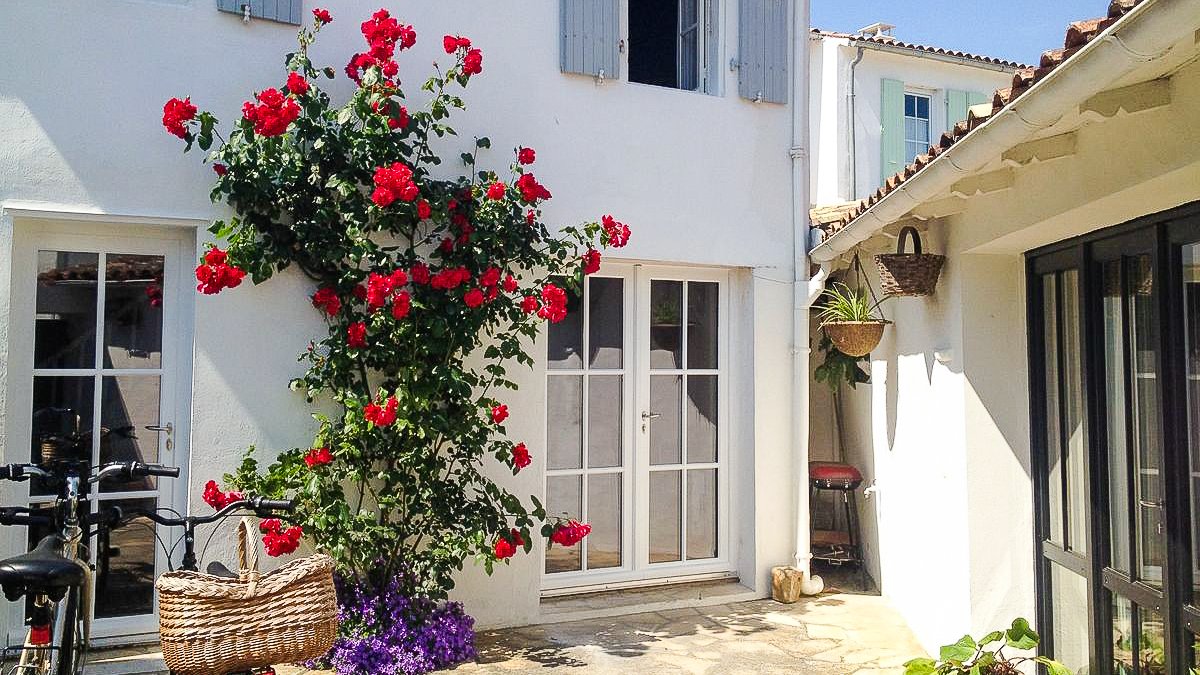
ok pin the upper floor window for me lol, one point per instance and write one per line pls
(916, 126)
(671, 43)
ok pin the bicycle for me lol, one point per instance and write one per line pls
(55, 578)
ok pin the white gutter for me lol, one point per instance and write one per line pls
(1143, 35)
(804, 291)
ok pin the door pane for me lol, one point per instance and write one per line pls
(1072, 377)
(62, 406)
(564, 435)
(1191, 308)
(1116, 410)
(1151, 643)
(564, 499)
(1054, 458)
(65, 332)
(133, 312)
(129, 404)
(702, 514)
(1123, 637)
(604, 515)
(565, 340)
(666, 443)
(606, 329)
(665, 522)
(1069, 607)
(703, 300)
(702, 418)
(666, 317)
(1148, 495)
(605, 394)
(125, 563)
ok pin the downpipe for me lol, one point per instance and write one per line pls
(807, 291)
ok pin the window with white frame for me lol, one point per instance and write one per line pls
(917, 128)
(672, 43)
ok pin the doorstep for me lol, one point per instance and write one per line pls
(604, 604)
(143, 660)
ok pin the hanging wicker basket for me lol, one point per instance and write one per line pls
(854, 338)
(909, 274)
(212, 624)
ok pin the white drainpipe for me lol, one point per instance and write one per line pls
(805, 291)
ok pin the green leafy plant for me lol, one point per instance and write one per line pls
(837, 367)
(840, 303)
(986, 656)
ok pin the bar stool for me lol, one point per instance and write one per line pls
(837, 546)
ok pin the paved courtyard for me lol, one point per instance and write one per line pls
(833, 633)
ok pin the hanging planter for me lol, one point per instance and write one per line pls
(850, 321)
(909, 274)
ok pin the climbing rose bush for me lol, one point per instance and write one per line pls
(432, 282)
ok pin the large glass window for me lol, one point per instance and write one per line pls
(917, 129)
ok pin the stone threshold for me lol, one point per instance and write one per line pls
(605, 604)
(134, 660)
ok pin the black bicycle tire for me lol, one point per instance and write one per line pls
(72, 626)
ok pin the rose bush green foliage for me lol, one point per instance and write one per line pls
(432, 285)
(986, 656)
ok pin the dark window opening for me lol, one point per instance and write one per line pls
(666, 43)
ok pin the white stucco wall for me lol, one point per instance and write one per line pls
(701, 179)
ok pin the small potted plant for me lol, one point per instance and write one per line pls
(986, 656)
(850, 320)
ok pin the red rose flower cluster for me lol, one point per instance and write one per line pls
(450, 278)
(297, 84)
(499, 413)
(382, 416)
(553, 305)
(356, 335)
(392, 183)
(617, 233)
(214, 497)
(473, 62)
(318, 457)
(322, 16)
(396, 114)
(526, 156)
(591, 261)
(220, 169)
(453, 43)
(176, 113)
(531, 189)
(520, 456)
(215, 274)
(506, 547)
(273, 113)
(384, 34)
(327, 299)
(278, 541)
(496, 190)
(381, 288)
(570, 533)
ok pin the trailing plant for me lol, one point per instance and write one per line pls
(837, 367)
(842, 303)
(986, 656)
(432, 285)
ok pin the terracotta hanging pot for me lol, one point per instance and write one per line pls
(854, 338)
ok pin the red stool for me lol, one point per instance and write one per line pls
(837, 547)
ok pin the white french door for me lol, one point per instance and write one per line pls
(636, 427)
(96, 351)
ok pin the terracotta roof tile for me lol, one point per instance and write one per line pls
(1078, 34)
(889, 41)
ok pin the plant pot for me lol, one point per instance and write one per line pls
(909, 274)
(854, 338)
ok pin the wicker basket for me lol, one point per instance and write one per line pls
(212, 624)
(854, 338)
(909, 274)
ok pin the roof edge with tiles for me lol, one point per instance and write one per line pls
(891, 43)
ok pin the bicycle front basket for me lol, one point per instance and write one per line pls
(211, 624)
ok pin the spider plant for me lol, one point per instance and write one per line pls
(843, 304)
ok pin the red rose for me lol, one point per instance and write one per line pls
(450, 44)
(473, 298)
(570, 533)
(356, 335)
(617, 233)
(297, 84)
(424, 210)
(490, 277)
(554, 303)
(322, 15)
(591, 261)
(389, 69)
(379, 289)
(496, 190)
(401, 305)
(530, 217)
(526, 156)
(531, 189)
(276, 540)
(267, 525)
(273, 113)
(499, 413)
(381, 416)
(473, 62)
(420, 273)
(215, 256)
(506, 547)
(176, 113)
(327, 299)
(529, 304)
(394, 182)
(215, 274)
(450, 278)
(510, 283)
(214, 497)
(318, 457)
(520, 456)
(220, 169)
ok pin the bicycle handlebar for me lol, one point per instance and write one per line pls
(260, 505)
(23, 472)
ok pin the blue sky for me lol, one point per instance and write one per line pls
(1014, 29)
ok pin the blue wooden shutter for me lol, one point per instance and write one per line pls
(284, 11)
(589, 37)
(891, 117)
(763, 50)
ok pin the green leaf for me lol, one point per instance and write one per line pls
(920, 667)
(960, 651)
(483, 142)
(1053, 667)
(1021, 636)
(992, 637)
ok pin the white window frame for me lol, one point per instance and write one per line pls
(929, 97)
(709, 76)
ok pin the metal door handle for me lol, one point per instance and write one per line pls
(168, 429)
(1150, 505)
(650, 415)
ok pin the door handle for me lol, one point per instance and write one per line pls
(1150, 505)
(646, 415)
(168, 429)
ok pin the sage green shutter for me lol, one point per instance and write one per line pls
(589, 37)
(763, 50)
(974, 98)
(958, 103)
(891, 118)
(284, 11)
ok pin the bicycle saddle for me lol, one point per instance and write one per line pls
(42, 570)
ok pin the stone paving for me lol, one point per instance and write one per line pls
(833, 633)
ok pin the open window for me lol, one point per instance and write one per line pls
(672, 43)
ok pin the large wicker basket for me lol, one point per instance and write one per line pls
(211, 624)
(909, 274)
(854, 338)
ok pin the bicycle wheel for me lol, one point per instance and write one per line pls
(70, 635)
